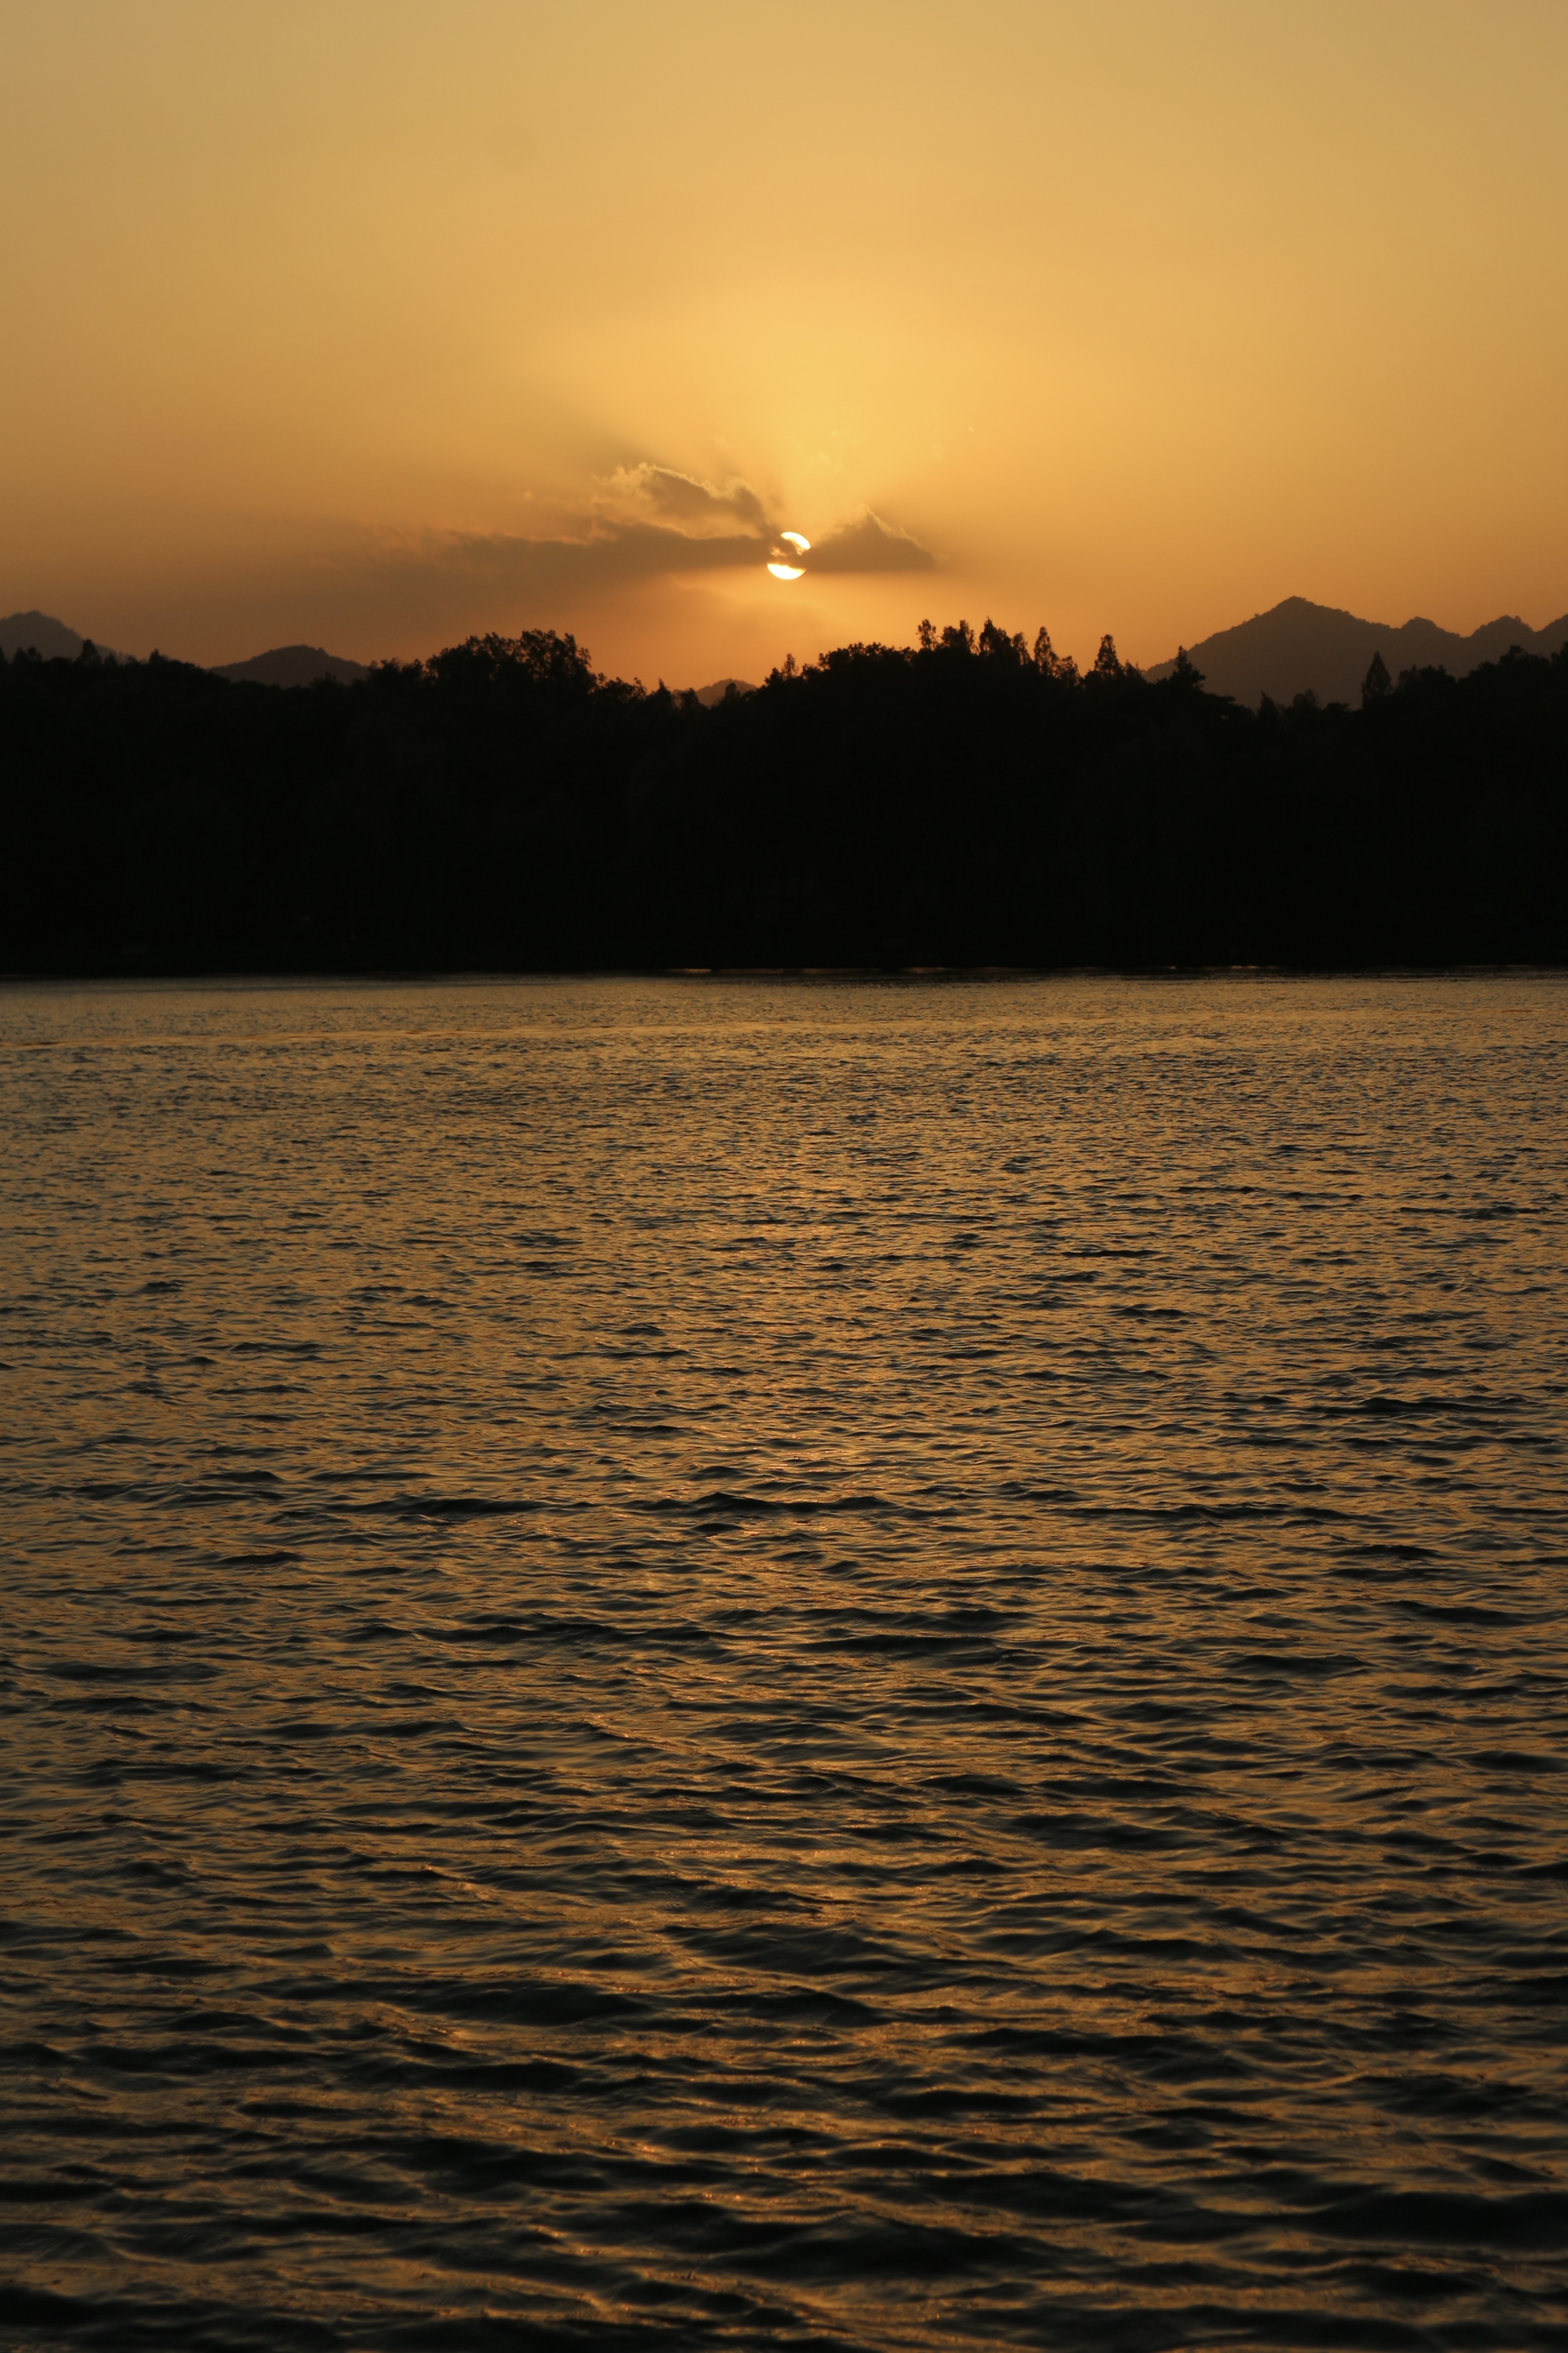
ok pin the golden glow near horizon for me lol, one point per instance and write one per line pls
(371, 324)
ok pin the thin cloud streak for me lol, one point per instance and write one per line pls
(608, 555)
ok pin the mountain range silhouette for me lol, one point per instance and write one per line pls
(1295, 648)
(293, 666)
(1298, 648)
(39, 633)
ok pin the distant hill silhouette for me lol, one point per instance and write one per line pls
(968, 800)
(709, 695)
(41, 633)
(293, 666)
(1301, 648)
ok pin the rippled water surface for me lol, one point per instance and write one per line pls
(819, 1664)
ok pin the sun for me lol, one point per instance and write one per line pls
(780, 567)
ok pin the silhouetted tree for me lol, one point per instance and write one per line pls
(995, 643)
(505, 806)
(1377, 681)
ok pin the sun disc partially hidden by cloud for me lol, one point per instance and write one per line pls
(779, 564)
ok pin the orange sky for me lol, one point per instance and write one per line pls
(370, 323)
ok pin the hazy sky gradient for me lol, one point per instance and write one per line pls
(371, 324)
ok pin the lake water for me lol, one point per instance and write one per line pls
(803, 1663)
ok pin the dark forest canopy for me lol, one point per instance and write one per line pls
(970, 800)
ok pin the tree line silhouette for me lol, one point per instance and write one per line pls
(968, 800)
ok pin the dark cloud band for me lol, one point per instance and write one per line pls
(869, 544)
(691, 529)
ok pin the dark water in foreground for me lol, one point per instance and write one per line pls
(781, 1664)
